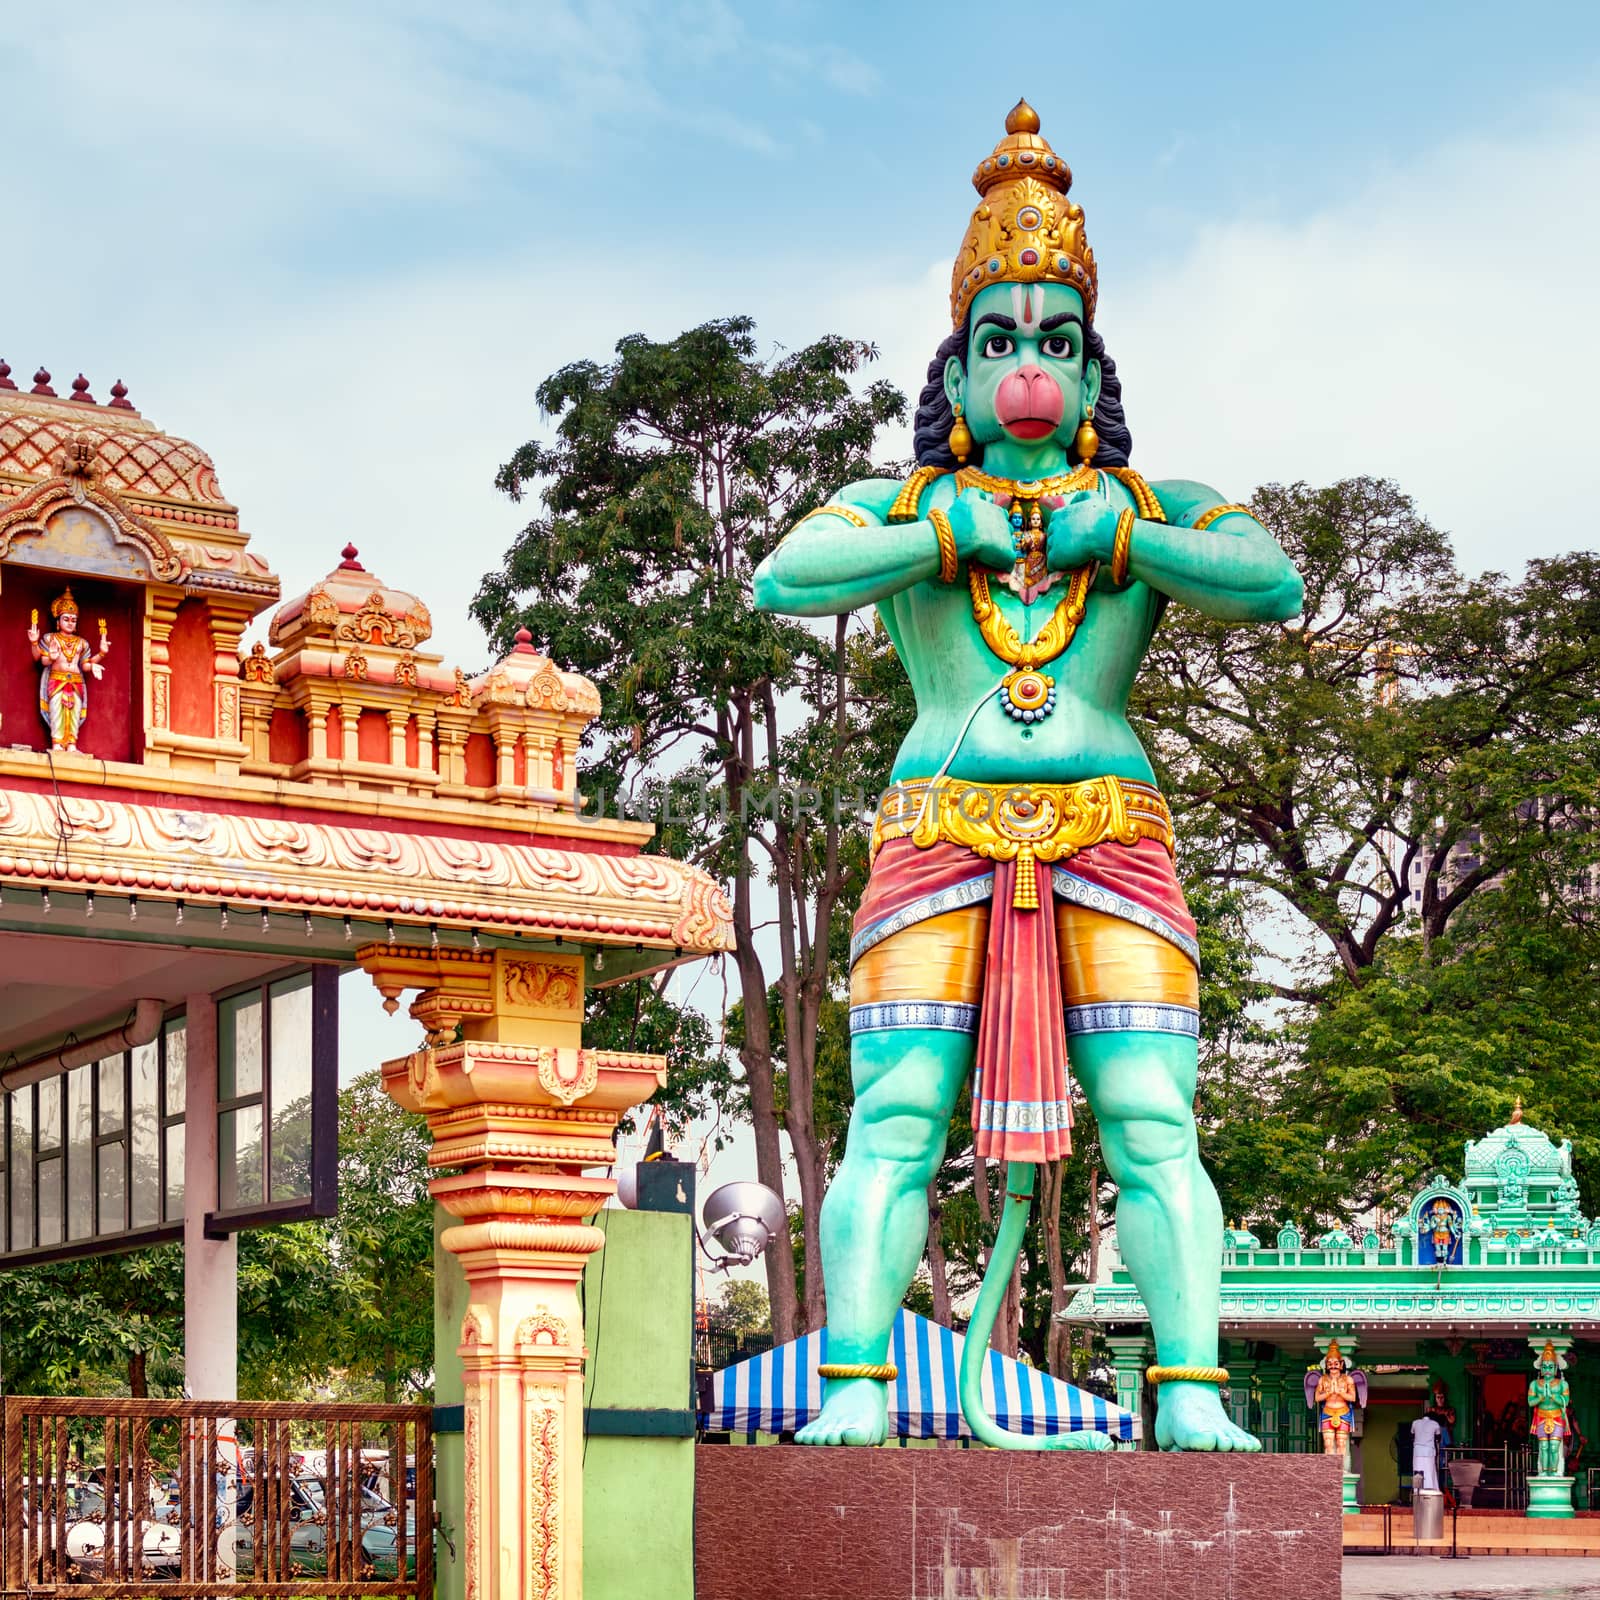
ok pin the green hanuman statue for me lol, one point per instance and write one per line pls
(1023, 914)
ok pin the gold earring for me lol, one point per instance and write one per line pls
(960, 438)
(1087, 440)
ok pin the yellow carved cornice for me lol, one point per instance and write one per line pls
(26, 516)
(329, 869)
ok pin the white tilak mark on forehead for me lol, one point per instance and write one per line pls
(1022, 308)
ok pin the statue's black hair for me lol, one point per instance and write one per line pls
(931, 436)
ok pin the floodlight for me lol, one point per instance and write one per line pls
(743, 1218)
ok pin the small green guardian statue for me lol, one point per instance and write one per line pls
(1023, 913)
(1548, 1399)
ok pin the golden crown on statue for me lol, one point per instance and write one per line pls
(1025, 229)
(64, 605)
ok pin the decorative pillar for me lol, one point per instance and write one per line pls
(1130, 1355)
(1346, 1340)
(1550, 1496)
(399, 720)
(518, 1111)
(161, 610)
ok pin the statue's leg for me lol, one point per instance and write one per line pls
(1169, 1224)
(875, 1216)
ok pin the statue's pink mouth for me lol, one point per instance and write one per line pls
(1029, 405)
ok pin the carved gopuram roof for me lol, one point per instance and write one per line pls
(169, 484)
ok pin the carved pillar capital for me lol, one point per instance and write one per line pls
(521, 1113)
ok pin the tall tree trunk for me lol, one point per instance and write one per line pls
(1058, 1338)
(938, 1268)
(756, 1054)
(138, 1386)
(1094, 1224)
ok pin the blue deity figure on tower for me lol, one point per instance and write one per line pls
(1023, 919)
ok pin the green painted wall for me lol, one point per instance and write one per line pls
(449, 1449)
(638, 1490)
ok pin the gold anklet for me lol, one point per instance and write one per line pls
(1217, 1375)
(857, 1369)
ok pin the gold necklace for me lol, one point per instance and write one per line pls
(1026, 694)
(1080, 477)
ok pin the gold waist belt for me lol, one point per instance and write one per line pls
(1022, 822)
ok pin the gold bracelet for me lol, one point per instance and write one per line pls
(1206, 518)
(1121, 548)
(948, 559)
(1186, 1375)
(858, 1369)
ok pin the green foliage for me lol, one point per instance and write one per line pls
(740, 1310)
(672, 472)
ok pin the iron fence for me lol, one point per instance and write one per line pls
(240, 1498)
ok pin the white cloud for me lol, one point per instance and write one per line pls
(1437, 327)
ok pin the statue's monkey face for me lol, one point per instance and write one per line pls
(1026, 377)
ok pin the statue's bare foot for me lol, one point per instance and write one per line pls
(1190, 1417)
(855, 1412)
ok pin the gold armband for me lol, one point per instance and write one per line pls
(1218, 1375)
(848, 513)
(1121, 548)
(858, 1369)
(1206, 518)
(948, 558)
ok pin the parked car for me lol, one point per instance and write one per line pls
(308, 1539)
(85, 1546)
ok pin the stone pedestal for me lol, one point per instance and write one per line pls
(1549, 1498)
(791, 1523)
(518, 1111)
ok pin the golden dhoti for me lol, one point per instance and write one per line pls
(1076, 928)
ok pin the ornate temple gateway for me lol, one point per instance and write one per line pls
(1465, 1288)
(197, 836)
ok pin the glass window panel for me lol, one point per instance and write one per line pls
(80, 1154)
(111, 1095)
(22, 1169)
(50, 1201)
(290, 1036)
(174, 1192)
(239, 1158)
(111, 1185)
(239, 1047)
(177, 1042)
(50, 1114)
(145, 1133)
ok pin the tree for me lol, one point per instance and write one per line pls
(673, 471)
(1407, 778)
(740, 1310)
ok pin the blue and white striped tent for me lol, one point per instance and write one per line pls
(780, 1391)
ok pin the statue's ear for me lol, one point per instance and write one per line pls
(955, 382)
(1091, 385)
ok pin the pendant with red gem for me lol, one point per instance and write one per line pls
(1028, 696)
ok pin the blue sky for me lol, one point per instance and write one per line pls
(340, 244)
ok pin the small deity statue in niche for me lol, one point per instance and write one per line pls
(65, 661)
(1548, 1398)
(1335, 1393)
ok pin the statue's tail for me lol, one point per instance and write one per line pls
(991, 1295)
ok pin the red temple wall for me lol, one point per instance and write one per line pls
(287, 737)
(413, 743)
(480, 760)
(191, 654)
(372, 737)
(114, 728)
(335, 735)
